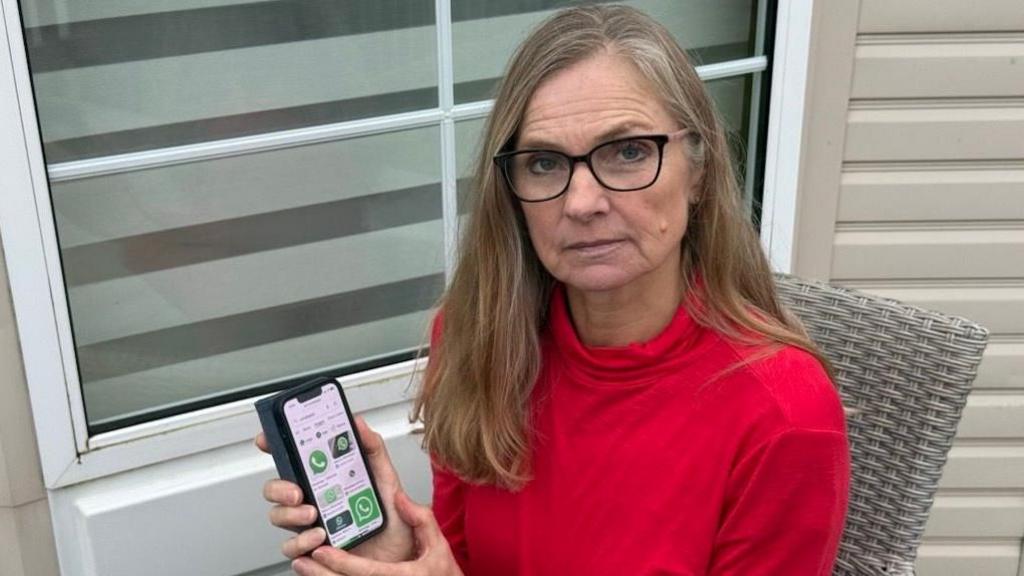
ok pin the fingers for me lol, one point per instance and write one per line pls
(301, 544)
(308, 567)
(421, 518)
(282, 492)
(339, 561)
(289, 513)
(261, 443)
(371, 440)
(292, 517)
(376, 453)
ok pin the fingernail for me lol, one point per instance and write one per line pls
(318, 555)
(297, 565)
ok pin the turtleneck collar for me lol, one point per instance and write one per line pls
(634, 364)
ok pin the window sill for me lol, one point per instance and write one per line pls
(208, 504)
(203, 430)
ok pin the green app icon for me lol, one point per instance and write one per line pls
(330, 495)
(364, 507)
(341, 445)
(318, 461)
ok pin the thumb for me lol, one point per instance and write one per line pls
(421, 518)
(261, 443)
(376, 452)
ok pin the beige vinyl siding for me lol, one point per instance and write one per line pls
(26, 536)
(950, 16)
(925, 204)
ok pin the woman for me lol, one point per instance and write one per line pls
(613, 387)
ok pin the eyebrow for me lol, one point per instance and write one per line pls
(618, 131)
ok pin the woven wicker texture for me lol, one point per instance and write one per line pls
(904, 374)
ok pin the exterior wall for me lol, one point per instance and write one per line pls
(912, 187)
(26, 537)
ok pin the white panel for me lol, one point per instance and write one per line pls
(910, 253)
(972, 131)
(974, 466)
(998, 307)
(991, 415)
(976, 516)
(934, 67)
(935, 192)
(940, 16)
(114, 526)
(981, 558)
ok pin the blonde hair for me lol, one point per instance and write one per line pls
(474, 403)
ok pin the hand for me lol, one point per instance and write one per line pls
(394, 544)
(433, 556)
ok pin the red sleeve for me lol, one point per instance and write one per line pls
(785, 507)
(449, 509)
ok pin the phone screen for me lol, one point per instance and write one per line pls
(325, 440)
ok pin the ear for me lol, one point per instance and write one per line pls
(696, 185)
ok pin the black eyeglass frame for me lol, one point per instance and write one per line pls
(502, 160)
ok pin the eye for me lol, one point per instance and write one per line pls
(633, 150)
(543, 163)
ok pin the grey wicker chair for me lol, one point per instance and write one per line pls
(904, 374)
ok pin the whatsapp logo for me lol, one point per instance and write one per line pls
(364, 507)
(330, 495)
(318, 461)
(341, 445)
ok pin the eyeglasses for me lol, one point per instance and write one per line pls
(622, 165)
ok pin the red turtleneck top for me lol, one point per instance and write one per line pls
(644, 464)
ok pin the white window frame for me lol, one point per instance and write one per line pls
(69, 456)
(785, 131)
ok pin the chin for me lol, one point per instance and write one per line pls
(598, 281)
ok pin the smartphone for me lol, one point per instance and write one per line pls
(313, 440)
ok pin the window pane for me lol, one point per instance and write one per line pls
(111, 78)
(485, 33)
(732, 100)
(468, 139)
(192, 283)
(217, 277)
(195, 280)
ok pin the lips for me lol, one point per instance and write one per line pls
(591, 244)
(594, 248)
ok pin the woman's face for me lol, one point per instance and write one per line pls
(592, 238)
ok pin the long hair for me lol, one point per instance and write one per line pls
(474, 402)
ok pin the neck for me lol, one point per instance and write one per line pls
(633, 313)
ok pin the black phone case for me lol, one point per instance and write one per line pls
(286, 458)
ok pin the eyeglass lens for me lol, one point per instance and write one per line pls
(628, 164)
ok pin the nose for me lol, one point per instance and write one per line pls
(586, 197)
